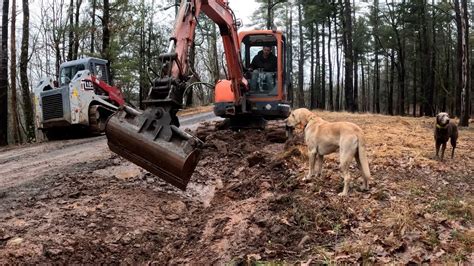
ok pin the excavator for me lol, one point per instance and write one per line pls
(152, 139)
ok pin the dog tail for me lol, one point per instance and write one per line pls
(362, 158)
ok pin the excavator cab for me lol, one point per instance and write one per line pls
(266, 95)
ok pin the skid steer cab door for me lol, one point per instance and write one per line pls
(263, 56)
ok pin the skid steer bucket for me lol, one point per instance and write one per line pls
(150, 140)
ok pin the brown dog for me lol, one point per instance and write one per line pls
(445, 130)
(324, 137)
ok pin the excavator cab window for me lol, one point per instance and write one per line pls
(67, 73)
(259, 54)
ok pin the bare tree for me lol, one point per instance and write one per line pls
(312, 98)
(14, 102)
(331, 101)
(4, 76)
(94, 8)
(463, 81)
(349, 58)
(27, 104)
(300, 94)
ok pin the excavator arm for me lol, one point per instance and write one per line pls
(151, 138)
(183, 38)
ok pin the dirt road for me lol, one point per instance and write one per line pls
(76, 202)
(20, 165)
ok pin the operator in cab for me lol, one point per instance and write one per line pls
(264, 60)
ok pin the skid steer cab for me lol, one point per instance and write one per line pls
(82, 100)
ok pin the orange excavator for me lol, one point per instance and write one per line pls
(151, 138)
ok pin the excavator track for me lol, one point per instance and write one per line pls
(275, 130)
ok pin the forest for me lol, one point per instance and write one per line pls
(407, 58)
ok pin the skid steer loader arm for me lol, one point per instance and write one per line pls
(151, 138)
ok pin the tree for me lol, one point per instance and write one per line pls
(13, 103)
(331, 100)
(462, 24)
(300, 94)
(338, 64)
(105, 52)
(349, 58)
(289, 60)
(312, 100)
(376, 47)
(93, 29)
(4, 76)
(27, 104)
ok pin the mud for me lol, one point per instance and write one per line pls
(76, 202)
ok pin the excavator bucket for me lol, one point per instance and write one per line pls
(150, 140)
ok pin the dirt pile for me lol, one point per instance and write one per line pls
(247, 203)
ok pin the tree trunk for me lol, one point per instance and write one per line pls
(301, 102)
(369, 90)
(76, 30)
(71, 30)
(141, 55)
(462, 24)
(432, 50)
(376, 94)
(317, 89)
(356, 82)
(312, 102)
(338, 66)
(4, 77)
(401, 73)
(364, 92)
(323, 69)
(27, 103)
(391, 83)
(427, 55)
(213, 46)
(106, 54)
(14, 103)
(331, 100)
(415, 74)
(356, 66)
(289, 61)
(349, 58)
(269, 14)
(93, 26)
(192, 63)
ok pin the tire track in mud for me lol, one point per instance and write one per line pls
(26, 164)
(22, 164)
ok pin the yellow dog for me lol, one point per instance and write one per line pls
(324, 137)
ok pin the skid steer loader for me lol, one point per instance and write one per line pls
(83, 99)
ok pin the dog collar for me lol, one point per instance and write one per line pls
(438, 126)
